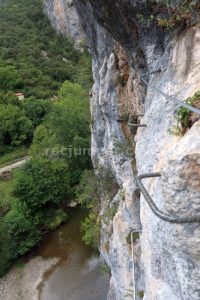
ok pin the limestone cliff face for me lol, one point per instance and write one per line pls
(64, 18)
(166, 256)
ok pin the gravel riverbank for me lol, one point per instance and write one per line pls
(22, 283)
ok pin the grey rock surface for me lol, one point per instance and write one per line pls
(64, 19)
(166, 256)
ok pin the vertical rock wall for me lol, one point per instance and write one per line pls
(166, 256)
(64, 19)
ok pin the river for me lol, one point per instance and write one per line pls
(77, 275)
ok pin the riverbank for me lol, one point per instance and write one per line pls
(60, 261)
(22, 283)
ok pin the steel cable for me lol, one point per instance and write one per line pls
(179, 102)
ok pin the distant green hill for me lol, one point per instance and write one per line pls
(33, 58)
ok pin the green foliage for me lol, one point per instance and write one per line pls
(140, 294)
(5, 197)
(19, 120)
(122, 195)
(67, 127)
(43, 59)
(135, 237)
(44, 141)
(5, 250)
(9, 79)
(37, 62)
(21, 231)
(74, 92)
(15, 127)
(91, 230)
(104, 269)
(87, 195)
(107, 182)
(42, 181)
(87, 190)
(109, 213)
(9, 98)
(145, 20)
(70, 117)
(129, 293)
(39, 187)
(121, 80)
(51, 219)
(12, 156)
(184, 118)
(169, 23)
(18, 234)
(84, 76)
(171, 13)
(171, 4)
(36, 110)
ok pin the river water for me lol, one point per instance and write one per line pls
(77, 275)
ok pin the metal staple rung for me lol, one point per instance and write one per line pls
(138, 115)
(137, 125)
(162, 215)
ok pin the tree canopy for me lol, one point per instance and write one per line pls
(34, 61)
(53, 121)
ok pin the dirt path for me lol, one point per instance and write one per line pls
(14, 165)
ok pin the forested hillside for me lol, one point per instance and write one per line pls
(36, 61)
(33, 58)
(52, 125)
